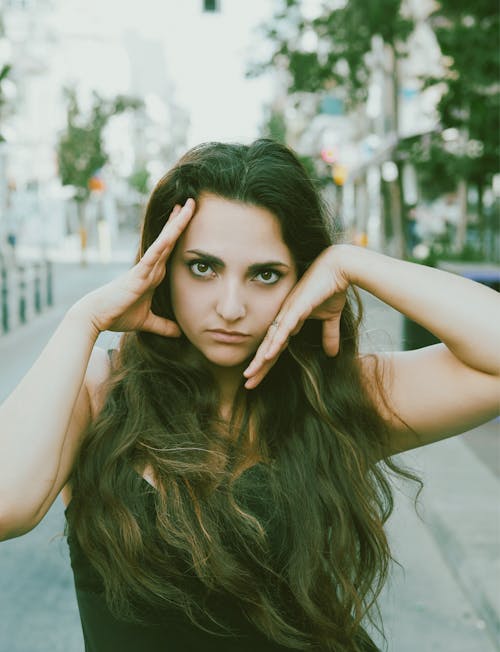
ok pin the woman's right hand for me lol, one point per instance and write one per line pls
(124, 304)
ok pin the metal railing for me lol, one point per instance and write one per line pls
(25, 291)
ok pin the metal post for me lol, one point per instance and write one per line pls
(4, 298)
(22, 294)
(50, 296)
(36, 284)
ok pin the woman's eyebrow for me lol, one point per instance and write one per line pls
(210, 258)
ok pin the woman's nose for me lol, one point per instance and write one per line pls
(231, 302)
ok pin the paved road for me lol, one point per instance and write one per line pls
(38, 611)
(445, 599)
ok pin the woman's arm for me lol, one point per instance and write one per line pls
(437, 391)
(42, 420)
(34, 421)
(463, 314)
(447, 388)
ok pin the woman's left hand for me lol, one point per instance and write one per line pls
(319, 294)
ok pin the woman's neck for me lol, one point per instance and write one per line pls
(229, 380)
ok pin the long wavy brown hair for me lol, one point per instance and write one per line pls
(287, 526)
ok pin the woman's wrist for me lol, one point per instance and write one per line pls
(350, 262)
(78, 314)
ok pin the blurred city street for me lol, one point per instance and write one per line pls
(444, 596)
(392, 107)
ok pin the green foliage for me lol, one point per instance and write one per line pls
(139, 180)
(80, 149)
(344, 39)
(468, 35)
(4, 73)
(436, 170)
(274, 125)
(470, 253)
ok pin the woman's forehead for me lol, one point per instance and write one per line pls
(224, 225)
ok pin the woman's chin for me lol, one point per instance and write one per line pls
(229, 358)
(226, 362)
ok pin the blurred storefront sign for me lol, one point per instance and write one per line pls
(331, 105)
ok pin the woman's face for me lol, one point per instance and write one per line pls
(230, 273)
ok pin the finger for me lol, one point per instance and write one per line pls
(175, 225)
(160, 326)
(164, 243)
(259, 367)
(275, 341)
(331, 336)
(256, 364)
(252, 382)
(175, 211)
(290, 323)
(258, 359)
(297, 328)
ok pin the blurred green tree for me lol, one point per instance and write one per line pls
(274, 125)
(343, 34)
(344, 39)
(469, 109)
(139, 180)
(4, 74)
(5, 71)
(80, 150)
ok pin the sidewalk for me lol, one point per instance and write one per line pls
(449, 592)
(38, 610)
(447, 598)
(119, 249)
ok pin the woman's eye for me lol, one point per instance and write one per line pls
(200, 268)
(269, 276)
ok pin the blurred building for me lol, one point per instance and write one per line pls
(357, 146)
(26, 158)
(187, 61)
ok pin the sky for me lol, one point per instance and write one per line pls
(197, 59)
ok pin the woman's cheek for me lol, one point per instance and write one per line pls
(269, 306)
(190, 308)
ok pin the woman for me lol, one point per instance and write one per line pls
(225, 469)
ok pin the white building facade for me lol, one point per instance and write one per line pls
(187, 62)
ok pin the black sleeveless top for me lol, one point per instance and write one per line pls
(173, 632)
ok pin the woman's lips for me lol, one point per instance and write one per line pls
(228, 337)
